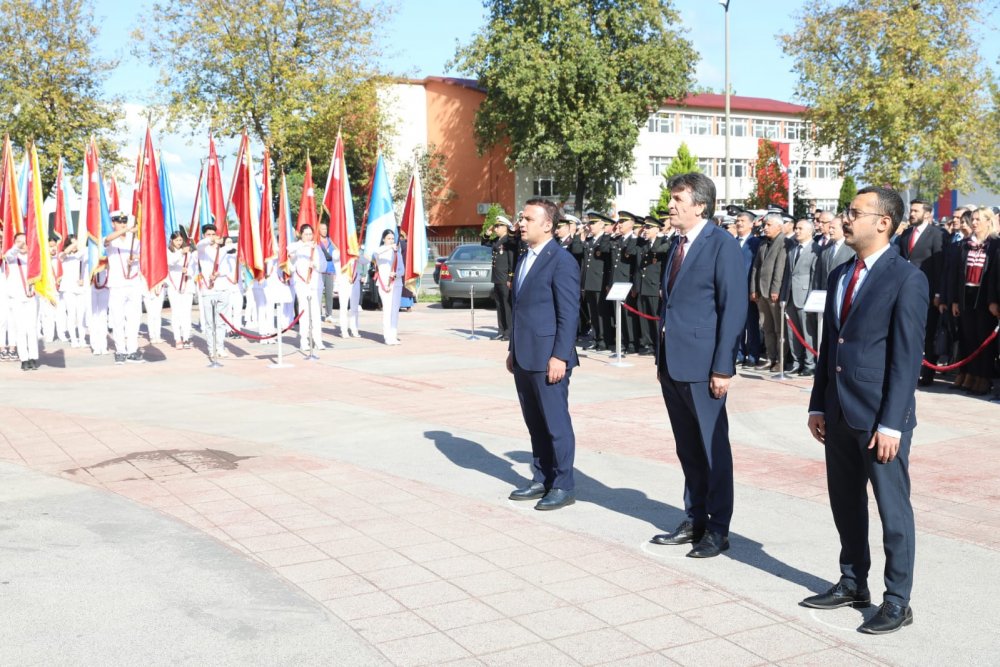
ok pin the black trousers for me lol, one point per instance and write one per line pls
(975, 324)
(930, 333)
(501, 295)
(592, 305)
(648, 305)
(850, 465)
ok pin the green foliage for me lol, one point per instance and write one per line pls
(569, 83)
(292, 73)
(683, 163)
(771, 181)
(431, 165)
(892, 83)
(491, 218)
(50, 83)
(848, 191)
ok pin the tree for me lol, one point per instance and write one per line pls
(683, 163)
(293, 73)
(770, 180)
(431, 164)
(848, 191)
(569, 83)
(51, 83)
(892, 83)
(490, 219)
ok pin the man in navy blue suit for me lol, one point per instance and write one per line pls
(702, 314)
(748, 351)
(546, 311)
(863, 402)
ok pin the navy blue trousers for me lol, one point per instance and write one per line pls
(546, 414)
(849, 467)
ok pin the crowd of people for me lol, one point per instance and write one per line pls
(785, 260)
(114, 297)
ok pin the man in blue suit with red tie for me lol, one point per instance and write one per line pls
(542, 355)
(702, 314)
(863, 402)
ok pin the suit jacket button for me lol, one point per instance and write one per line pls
(840, 341)
(838, 369)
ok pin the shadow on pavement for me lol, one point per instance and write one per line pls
(55, 359)
(629, 502)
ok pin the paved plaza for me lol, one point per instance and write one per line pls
(353, 511)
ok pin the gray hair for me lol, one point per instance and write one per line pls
(702, 190)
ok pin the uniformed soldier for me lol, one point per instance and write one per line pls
(652, 250)
(566, 233)
(593, 246)
(620, 268)
(504, 245)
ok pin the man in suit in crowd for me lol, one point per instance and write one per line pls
(835, 253)
(863, 402)
(823, 220)
(546, 305)
(504, 253)
(701, 316)
(765, 287)
(923, 245)
(800, 268)
(748, 351)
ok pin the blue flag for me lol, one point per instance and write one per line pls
(381, 215)
(167, 197)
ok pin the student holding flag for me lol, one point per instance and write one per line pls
(124, 288)
(389, 279)
(23, 302)
(73, 289)
(180, 287)
(307, 268)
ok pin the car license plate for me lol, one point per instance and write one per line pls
(474, 273)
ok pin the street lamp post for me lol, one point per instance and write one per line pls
(729, 131)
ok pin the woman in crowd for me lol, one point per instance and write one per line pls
(307, 270)
(180, 289)
(389, 265)
(970, 300)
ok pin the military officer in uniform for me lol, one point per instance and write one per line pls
(620, 268)
(593, 246)
(504, 245)
(651, 250)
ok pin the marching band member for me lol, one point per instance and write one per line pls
(23, 304)
(307, 270)
(389, 276)
(73, 289)
(125, 287)
(180, 287)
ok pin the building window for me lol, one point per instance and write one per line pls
(765, 129)
(661, 122)
(705, 165)
(543, 187)
(741, 168)
(658, 164)
(827, 170)
(803, 171)
(618, 188)
(739, 126)
(794, 130)
(696, 124)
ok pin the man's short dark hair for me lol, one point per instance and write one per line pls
(551, 210)
(209, 228)
(923, 202)
(702, 190)
(889, 203)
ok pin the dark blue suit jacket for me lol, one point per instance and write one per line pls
(704, 316)
(869, 365)
(546, 310)
(749, 249)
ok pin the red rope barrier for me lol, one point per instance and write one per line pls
(801, 340)
(962, 362)
(250, 336)
(639, 313)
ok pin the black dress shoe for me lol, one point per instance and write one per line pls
(555, 499)
(530, 492)
(589, 346)
(840, 595)
(711, 544)
(25, 366)
(685, 533)
(33, 363)
(807, 372)
(499, 336)
(600, 347)
(890, 617)
(925, 382)
(645, 350)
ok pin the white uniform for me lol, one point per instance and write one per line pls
(267, 293)
(23, 306)
(73, 291)
(307, 267)
(349, 294)
(230, 281)
(97, 318)
(126, 289)
(52, 316)
(6, 333)
(389, 260)
(180, 287)
(153, 301)
(213, 295)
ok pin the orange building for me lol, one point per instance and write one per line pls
(440, 112)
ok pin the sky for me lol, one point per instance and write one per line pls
(421, 37)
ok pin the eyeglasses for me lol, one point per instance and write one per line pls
(853, 214)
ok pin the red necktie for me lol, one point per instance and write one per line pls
(849, 292)
(913, 240)
(675, 264)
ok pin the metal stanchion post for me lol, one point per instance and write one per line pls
(472, 311)
(618, 356)
(277, 328)
(312, 356)
(214, 352)
(781, 346)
